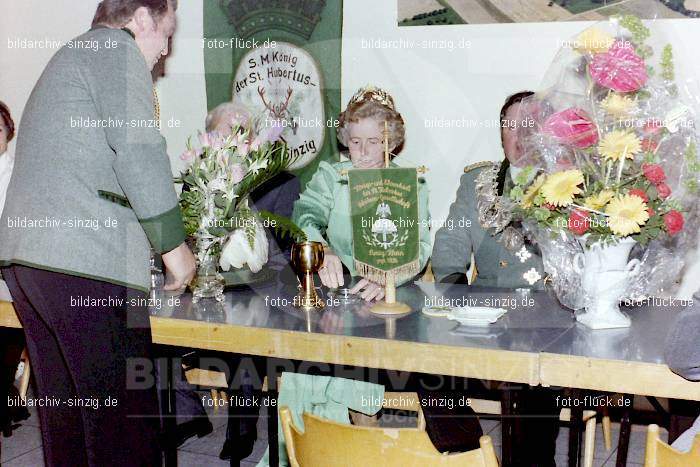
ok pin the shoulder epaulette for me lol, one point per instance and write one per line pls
(478, 165)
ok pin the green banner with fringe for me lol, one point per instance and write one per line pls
(385, 223)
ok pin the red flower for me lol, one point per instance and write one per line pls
(619, 69)
(579, 222)
(663, 190)
(652, 126)
(549, 206)
(572, 127)
(650, 212)
(649, 145)
(639, 193)
(654, 173)
(673, 220)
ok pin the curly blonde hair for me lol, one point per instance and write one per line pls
(366, 104)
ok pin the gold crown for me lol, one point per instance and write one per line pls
(374, 94)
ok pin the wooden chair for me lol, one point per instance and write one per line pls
(331, 444)
(491, 407)
(660, 454)
(24, 379)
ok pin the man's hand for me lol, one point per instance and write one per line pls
(331, 272)
(372, 290)
(180, 266)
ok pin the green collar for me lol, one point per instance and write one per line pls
(126, 30)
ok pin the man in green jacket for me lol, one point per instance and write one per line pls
(90, 195)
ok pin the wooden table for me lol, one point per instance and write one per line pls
(536, 342)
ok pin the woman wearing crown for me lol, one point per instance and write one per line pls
(323, 209)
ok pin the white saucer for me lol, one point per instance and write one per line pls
(476, 315)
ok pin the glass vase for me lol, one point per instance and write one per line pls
(209, 283)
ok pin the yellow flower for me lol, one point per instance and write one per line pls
(598, 200)
(532, 191)
(626, 214)
(593, 41)
(618, 144)
(560, 187)
(618, 106)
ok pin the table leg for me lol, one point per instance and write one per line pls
(272, 420)
(625, 431)
(507, 426)
(235, 428)
(575, 429)
(167, 400)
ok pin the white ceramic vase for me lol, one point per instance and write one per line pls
(605, 273)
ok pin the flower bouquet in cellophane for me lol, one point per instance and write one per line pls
(611, 156)
(222, 172)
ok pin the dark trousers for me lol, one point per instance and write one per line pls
(89, 412)
(536, 427)
(11, 346)
(188, 404)
(245, 378)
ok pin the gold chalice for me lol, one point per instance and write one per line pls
(307, 258)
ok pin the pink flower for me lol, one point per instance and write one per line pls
(238, 120)
(240, 141)
(244, 148)
(663, 190)
(572, 127)
(654, 173)
(673, 220)
(222, 158)
(216, 140)
(204, 140)
(639, 193)
(619, 69)
(270, 134)
(188, 155)
(649, 145)
(237, 173)
(563, 164)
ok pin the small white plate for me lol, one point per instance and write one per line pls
(476, 316)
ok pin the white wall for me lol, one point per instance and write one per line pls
(182, 94)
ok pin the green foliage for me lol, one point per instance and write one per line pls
(524, 175)
(691, 152)
(278, 159)
(633, 24)
(652, 229)
(516, 193)
(541, 214)
(249, 226)
(667, 68)
(673, 204)
(284, 226)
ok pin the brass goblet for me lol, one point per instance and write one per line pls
(307, 258)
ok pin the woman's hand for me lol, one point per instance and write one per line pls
(331, 272)
(372, 290)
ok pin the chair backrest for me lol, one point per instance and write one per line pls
(660, 454)
(331, 444)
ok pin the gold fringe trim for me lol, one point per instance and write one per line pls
(478, 165)
(401, 273)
